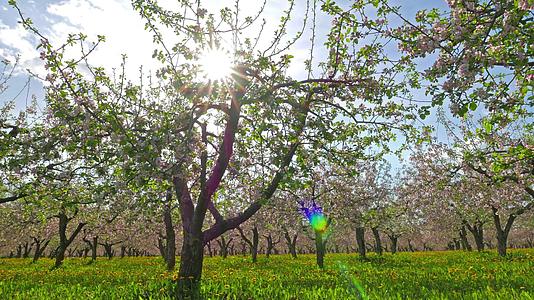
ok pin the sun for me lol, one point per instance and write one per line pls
(215, 64)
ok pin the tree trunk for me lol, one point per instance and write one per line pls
(39, 248)
(456, 244)
(360, 240)
(291, 243)
(27, 250)
(190, 272)
(60, 256)
(64, 242)
(253, 245)
(71, 252)
(320, 248)
(123, 251)
(162, 248)
(378, 242)
(93, 246)
(223, 245)
(463, 239)
(210, 251)
(255, 242)
(394, 239)
(108, 249)
(193, 216)
(169, 232)
(270, 244)
(19, 251)
(477, 230)
(410, 246)
(502, 233)
(52, 253)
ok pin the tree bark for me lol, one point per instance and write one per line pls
(93, 246)
(502, 233)
(463, 239)
(210, 251)
(378, 242)
(270, 244)
(169, 231)
(394, 239)
(360, 240)
(255, 242)
(108, 248)
(223, 246)
(253, 245)
(19, 251)
(291, 243)
(320, 248)
(410, 246)
(477, 230)
(192, 217)
(162, 248)
(39, 248)
(27, 249)
(65, 241)
(190, 272)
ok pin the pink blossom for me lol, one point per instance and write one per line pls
(525, 5)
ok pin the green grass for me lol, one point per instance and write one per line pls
(420, 275)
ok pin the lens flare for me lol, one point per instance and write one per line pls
(353, 284)
(315, 216)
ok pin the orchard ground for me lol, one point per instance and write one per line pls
(418, 275)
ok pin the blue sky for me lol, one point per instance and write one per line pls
(124, 33)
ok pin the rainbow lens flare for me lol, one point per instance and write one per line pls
(352, 282)
(315, 216)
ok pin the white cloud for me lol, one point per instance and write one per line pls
(125, 34)
(16, 41)
(116, 20)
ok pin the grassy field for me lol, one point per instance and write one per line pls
(420, 275)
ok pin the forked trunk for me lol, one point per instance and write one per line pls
(253, 245)
(463, 239)
(291, 243)
(39, 248)
(270, 244)
(478, 234)
(27, 249)
(378, 242)
(223, 246)
(65, 241)
(502, 233)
